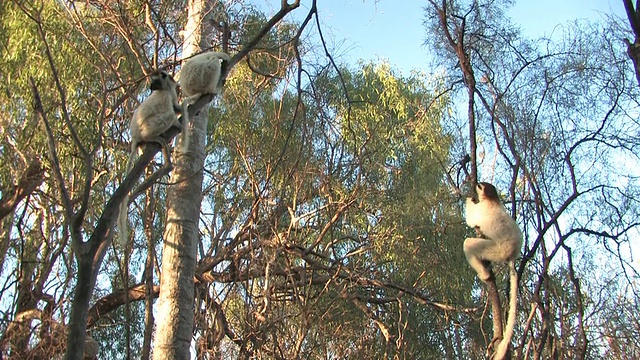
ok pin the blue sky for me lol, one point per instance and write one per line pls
(393, 29)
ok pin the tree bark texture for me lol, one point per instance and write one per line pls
(176, 303)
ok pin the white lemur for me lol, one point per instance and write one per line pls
(502, 244)
(198, 76)
(155, 115)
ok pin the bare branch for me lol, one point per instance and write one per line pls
(31, 178)
(116, 299)
(53, 152)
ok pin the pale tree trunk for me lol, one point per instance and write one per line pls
(176, 301)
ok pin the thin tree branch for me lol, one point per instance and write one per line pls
(53, 152)
(31, 178)
(76, 219)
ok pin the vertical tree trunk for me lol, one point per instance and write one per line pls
(176, 300)
(77, 330)
(148, 274)
(633, 48)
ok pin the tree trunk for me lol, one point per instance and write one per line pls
(148, 275)
(77, 330)
(176, 301)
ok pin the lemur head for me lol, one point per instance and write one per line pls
(487, 192)
(162, 81)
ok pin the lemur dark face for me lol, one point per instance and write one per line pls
(487, 191)
(161, 81)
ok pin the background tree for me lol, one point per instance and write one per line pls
(554, 118)
(324, 223)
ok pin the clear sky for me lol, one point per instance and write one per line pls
(393, 29)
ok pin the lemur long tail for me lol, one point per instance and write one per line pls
(123, 216)
(185, 120)
(501, 352)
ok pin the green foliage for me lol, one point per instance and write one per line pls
(327, 227)
(366, 134)
(77, 64)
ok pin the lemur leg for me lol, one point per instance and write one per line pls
(478, 253)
